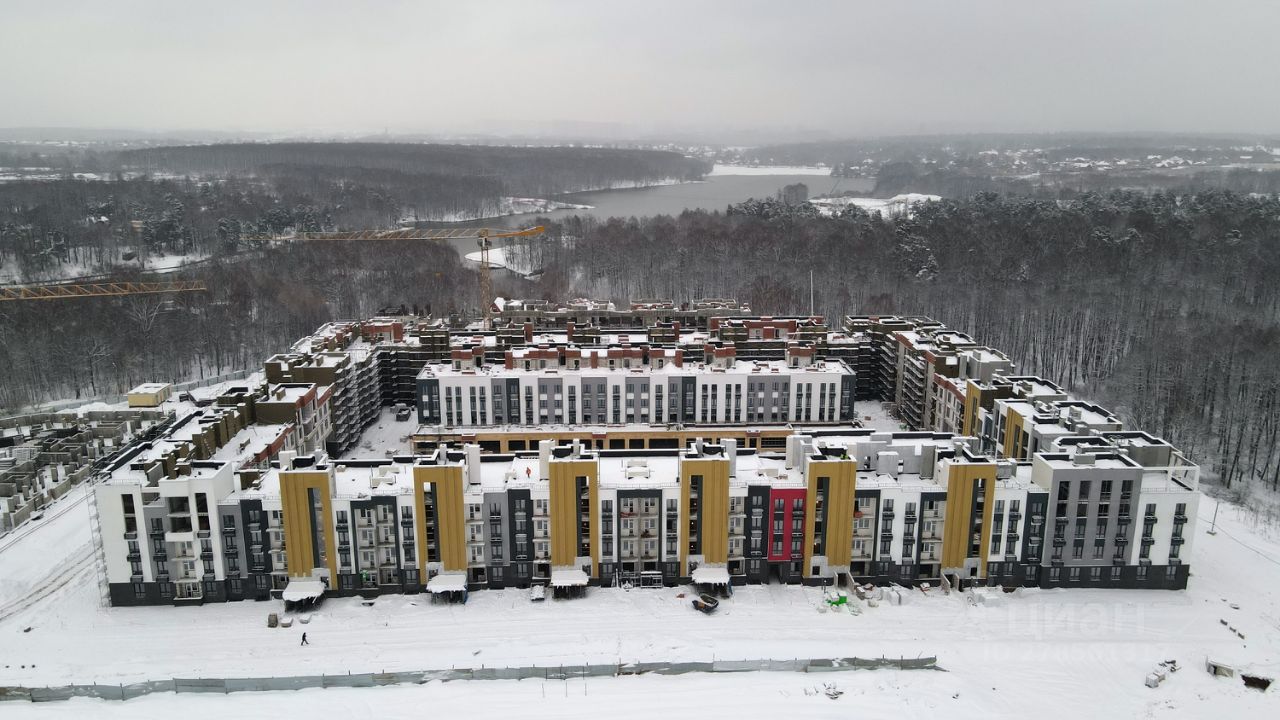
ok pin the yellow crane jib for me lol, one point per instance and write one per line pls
(99, 289)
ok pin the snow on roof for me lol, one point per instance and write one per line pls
(303, 589)
(447, 582)
(738, 367)
(648, 472)
(704, 575)
(568, 577)
(152, 387)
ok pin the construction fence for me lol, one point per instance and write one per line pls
(562, 672)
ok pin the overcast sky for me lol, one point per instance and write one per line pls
(843, 68)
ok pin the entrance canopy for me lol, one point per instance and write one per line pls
(704, 575)
(568, 577)
(300, 589)
(445, 583)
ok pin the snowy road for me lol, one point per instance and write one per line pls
(1037, 649)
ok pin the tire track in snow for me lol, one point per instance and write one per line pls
(82, 560)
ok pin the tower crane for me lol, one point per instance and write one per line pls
(483, 237)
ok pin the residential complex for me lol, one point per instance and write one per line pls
(554, 450)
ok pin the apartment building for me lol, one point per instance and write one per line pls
(1109, 510)
(305, 406)
(639, 313)
(355, 396)
(629, 385)
(643, 456)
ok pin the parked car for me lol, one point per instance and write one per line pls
(403, 414)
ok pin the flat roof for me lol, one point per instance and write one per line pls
(758, 368)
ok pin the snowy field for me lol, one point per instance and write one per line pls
(873, 415)
(719, 169)
(1060, 653)
(892, 207)
(509, 206)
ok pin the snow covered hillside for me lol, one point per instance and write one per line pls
(1066, 653)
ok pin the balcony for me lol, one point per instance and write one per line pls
(230, 550)
(156, 532)
(1177, 540)
(231, 530)
(1180, 517)
(133, 556)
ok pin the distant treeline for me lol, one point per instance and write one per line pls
(1055, 146)
(516, 170)
(960, 182)
(1164, 307)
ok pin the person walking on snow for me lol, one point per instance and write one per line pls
(304, 639)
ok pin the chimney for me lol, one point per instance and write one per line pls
(473, 463)
(528, 332)
(887, 464)
(731, 452)
(795, 450)
(509, 360)
(568, 329)
(544, 458)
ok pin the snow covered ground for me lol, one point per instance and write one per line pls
(873, 415)
(511, 206)
(1061, 653)
(719, 169)
(891, 207)
(386, 437)
(498, 259)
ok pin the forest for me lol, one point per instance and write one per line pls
(221, 199)
(1163, 307)
(254, 306)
